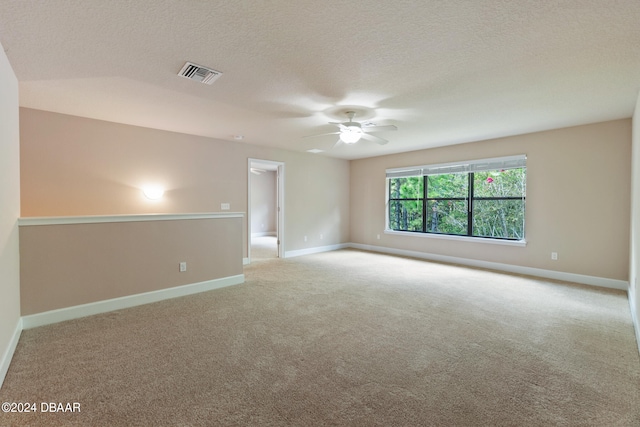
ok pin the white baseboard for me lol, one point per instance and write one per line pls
(634, 316)
(8, 354)
(318, 249)
(530, 271)
(60, 315)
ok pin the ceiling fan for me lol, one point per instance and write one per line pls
(351, 132)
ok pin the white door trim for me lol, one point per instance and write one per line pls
(279, 167)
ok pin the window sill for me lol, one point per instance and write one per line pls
(519, 243)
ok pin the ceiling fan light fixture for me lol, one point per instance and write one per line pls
(351, 134)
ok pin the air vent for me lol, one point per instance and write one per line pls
(199, 73)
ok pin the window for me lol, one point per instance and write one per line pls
(480, 198)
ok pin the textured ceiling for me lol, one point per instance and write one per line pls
(444, 72)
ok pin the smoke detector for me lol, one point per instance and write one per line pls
(199, 73)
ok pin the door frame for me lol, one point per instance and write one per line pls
(278, 167)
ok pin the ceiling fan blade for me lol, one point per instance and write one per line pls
(379, 128)
(322, 134)
(374, 138)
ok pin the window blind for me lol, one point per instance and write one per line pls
(511, 162)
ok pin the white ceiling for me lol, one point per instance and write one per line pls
(442, 71)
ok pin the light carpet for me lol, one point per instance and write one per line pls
(343, 338)
(264, 247)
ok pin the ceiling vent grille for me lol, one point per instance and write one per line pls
(199, 73)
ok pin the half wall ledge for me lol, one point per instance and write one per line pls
(96, 219)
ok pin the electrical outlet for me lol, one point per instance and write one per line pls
(225, 206)
(183, 267)
(378, 237)
(554, 256)
(305, 238)
(321, 236)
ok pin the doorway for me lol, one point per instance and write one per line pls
(265, 212)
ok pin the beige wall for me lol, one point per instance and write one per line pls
(263, 203)
(9, 211)
(634, 294)
(67, 265)
(78, 166)
(578, 186)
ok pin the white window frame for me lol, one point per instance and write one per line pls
(508, 162)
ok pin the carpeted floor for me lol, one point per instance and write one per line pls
(264, 247)
(343, 338)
